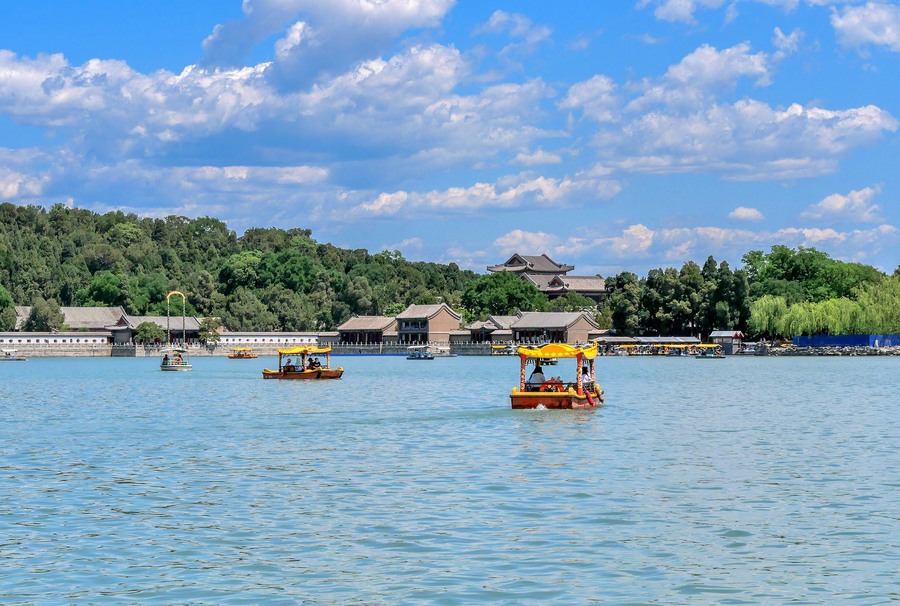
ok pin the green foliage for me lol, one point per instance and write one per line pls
(6, 299)
(502, 294)
(8, 319)
(875, 310)
(208, 332)
(604, 317)
(393, 309)
(686, 302)
(804, 274)
(105, 290)
(45, 316)
(767, 315)
(149, 332)
(572, 301)
(269, 279)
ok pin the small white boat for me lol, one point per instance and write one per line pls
(11, 355)
(442, 351)
(174, 360)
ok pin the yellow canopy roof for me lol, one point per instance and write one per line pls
(559, 350)
(307, 349)
(294, 351)
(708, 345)
(242, 349)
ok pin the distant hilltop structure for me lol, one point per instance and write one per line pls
(551, 278)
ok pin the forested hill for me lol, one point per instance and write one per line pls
(267, 279)
(275, 279)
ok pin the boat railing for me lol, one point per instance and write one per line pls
(558, 386)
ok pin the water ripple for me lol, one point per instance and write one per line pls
(753, 481)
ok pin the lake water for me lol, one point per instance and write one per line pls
(737, 481)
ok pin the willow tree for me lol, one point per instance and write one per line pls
(766, 314)
(880, 306)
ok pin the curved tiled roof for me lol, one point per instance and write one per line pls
(425, 311)
(367, 323)
(551, 319)
(532, 264)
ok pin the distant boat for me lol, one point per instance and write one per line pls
(442, 351)
(242, 353)
(712, 352)
(173, 360)
(419, 352)
(177, 362)
(12, 355)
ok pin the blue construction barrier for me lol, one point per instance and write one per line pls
(847, 341)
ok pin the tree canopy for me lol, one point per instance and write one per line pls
(267, 279)
(502, 294)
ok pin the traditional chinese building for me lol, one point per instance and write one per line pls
(367, 330)
(427, 324)
(551, 278)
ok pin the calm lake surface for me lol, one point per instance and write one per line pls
(737, 481)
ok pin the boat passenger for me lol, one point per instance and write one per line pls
(287, 365)
(315, 363)
(536, 379)
(165, 359)
(586, 381)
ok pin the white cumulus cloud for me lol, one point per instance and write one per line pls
(855, 207)
(873, 23)
(742, 213)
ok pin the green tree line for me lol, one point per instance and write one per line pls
(283, 279)
(267, 279)
(781, 293)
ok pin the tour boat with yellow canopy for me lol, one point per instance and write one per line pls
(710, 351)
(242, 353)
(306, 365)
(553, 392)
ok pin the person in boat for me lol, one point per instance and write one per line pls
(177, 360)
(287, 365)
(165, 359)
(587, 382)
(536, 379)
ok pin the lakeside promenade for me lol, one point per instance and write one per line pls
(106, 350)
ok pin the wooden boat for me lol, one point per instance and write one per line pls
(554, 392)
(419, 352)
(12, 355)
(309, 366)
(174, 361)
(242, 353)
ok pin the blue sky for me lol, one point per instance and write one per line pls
(610, 135)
